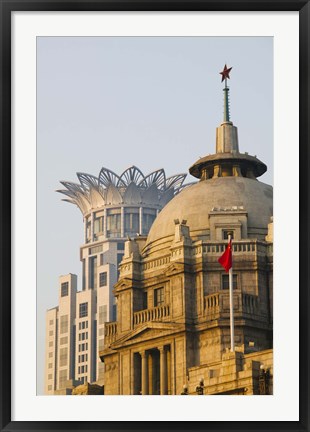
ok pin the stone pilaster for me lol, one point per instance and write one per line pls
(144, 373)
(163, 370)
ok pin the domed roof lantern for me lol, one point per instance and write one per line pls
(227, 161)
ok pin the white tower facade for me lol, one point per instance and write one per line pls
(114, 209)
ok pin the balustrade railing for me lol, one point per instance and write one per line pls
(249, 303)
(217, 304)
(238, 246)
(155, 314)
(110, 331)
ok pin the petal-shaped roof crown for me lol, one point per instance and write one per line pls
(131, 187)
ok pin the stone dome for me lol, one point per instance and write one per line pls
(228, 194)
(196, 202)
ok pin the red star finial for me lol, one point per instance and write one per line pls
(225, 73)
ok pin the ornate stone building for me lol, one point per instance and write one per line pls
(172, 333)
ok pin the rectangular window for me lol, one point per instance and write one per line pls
(83, 325)
(88, 229)
(93, 272)
(64, 324)
(50, 344)
(119, 259)
(64, 340)
(95, 250)
(144, 300)
(98, 225)
(225, 281)
(114, 313)
(50, 376)
(148, 219)
(50, 365)
(158, 296)
(49, 388)
(226, 233)
(132, 221)
(103, 279)
(51, 333)
(83, 310)
(50, 354)
(62, 377)
(101, 259)
(63, 358)
(83, 275)
(113, 223)
(83, 336)
(51, 322)
(64, 289)
(120, 246)
(103, 314)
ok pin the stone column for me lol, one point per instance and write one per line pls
(236, 171)
(163, 370)
(217, 171)
(144, 373)
(173, 368)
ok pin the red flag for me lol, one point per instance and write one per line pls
(226, 259)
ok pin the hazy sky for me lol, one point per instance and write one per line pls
(153, 102)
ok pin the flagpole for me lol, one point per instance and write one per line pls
(231, 304)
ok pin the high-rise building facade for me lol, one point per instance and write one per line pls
(114, 209)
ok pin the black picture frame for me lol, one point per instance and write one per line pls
(9, 6)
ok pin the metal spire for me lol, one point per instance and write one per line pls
(225, 76)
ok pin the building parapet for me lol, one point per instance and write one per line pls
(239, 246)
(214, 248)
(158, 262)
